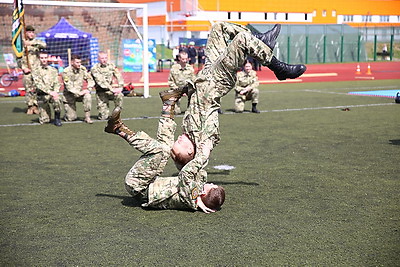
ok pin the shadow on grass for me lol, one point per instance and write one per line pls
(126, 200)
(239, 182)
(395, 142)
(130, 201)
(19, 110)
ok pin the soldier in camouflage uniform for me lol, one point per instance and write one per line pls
(47, 87)
(181, 73)
(186, 191)
(74, 76)
(246, 88)
(103, 74)
(33, 46)
(227, 49)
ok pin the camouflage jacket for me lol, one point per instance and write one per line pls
(46, 80)
(179, 192)
(245, 80)
(168, 192)
(74, 78)
(103, 76)
(178, 76)
(33, 56)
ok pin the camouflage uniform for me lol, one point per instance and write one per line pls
(46, 80)
(227, 49)
(73, 86)
(143, 178)
(179, 77)
(34, 63)
(246, 80)
(103, 77)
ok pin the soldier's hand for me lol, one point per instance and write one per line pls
(202, 206)
(54, 95)
(85, 92)
(117, 90)
(26, 70)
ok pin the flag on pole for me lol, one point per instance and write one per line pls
(17, 27)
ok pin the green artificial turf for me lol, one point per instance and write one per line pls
(313, 185)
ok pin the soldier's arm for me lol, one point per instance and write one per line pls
(192, 74)
(39, 83)
(239, 88)
(90, 81)
(166, 131)
(100, 80)
(118, 76)
(56, 82)
(255, 83)
(171, 80)
(38, 43)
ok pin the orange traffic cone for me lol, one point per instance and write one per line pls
(369, 70)
(358, 71)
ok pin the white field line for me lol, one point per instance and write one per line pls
(226, 113)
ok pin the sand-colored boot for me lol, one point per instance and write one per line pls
(115, 125)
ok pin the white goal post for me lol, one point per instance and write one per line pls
(123, 6)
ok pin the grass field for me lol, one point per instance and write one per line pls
(313, 185)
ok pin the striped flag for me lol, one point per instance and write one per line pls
(17, 27)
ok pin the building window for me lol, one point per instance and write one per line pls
(266, 16)
(324, 13)
(384, 18)
(275, 16)
(240, 15)
(348, 18)
(286, 16)
(229, 15)
(333, 13)
(305, 16)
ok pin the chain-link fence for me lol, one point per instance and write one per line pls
(334, 43)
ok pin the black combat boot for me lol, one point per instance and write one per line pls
(269, 37)
(254, 108)
(57, 120)
(285, 71)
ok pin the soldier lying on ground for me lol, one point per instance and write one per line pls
(189, 189)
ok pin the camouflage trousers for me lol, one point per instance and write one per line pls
(241, 99)
(70, 104)
(45, 101)
(148, 167)
(103, 106)
(30, 94)
(227, 49)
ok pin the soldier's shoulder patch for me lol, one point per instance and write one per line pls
(195, 193)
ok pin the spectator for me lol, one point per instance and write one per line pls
(74, 77)
(246, 89)
(32, 46)
(179, 76)
(103, 74)
(47, 87)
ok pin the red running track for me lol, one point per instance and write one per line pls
(314, 73)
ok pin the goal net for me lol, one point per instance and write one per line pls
(85, 28)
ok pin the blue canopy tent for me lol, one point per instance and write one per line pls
(62, 36)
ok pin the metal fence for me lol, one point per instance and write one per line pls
(334, 43)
